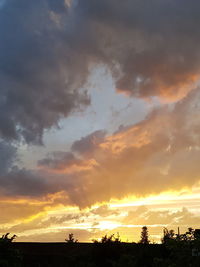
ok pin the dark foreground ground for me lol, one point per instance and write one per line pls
(100, 255)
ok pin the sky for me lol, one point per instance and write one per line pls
(99, 118)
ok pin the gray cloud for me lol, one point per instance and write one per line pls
(22, 182)
(39, 71)
(58, 160)
(87, 144)
(153, 44)
(16, 181)
(8, 155)
(48, 48)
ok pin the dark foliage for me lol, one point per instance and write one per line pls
(9, 257)
(109, 239)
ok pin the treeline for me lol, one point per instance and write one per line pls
(168, 236)
(175, 250)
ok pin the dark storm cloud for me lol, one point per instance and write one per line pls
(39, 72)
(47, 49)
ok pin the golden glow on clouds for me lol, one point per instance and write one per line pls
(161, 199)
(130, 138)
(184, 84)
(109, 218)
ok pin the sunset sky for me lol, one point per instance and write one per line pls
(99, 118)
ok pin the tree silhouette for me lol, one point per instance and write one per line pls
(144, 236)
(71, 239)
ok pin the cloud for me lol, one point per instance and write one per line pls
(15, 211)
(8, 155)
(40, 216)
(158, 154)
(23, 182)
(48, 49)
(16, 181)
(40, 221)
(39, 71)
(142, 44)
(65, 162)
(89, 143)
(58, 160)
(65, 218)
(45, 58)
(143, 216)
(104, 211)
